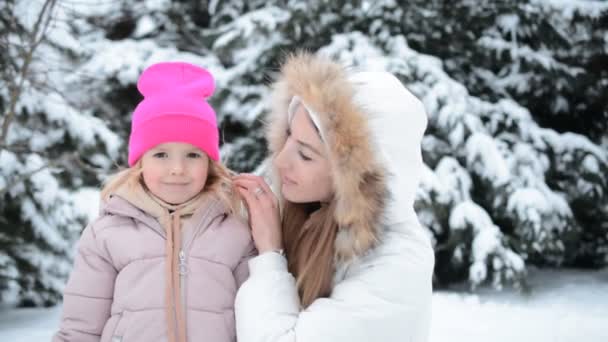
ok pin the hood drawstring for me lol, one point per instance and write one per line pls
(177, 326)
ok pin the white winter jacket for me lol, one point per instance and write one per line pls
(382, 286)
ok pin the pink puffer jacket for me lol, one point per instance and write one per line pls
(116, 291)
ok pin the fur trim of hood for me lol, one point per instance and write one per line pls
(359, 177)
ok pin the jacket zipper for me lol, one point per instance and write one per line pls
(183, 266)
(183, 270)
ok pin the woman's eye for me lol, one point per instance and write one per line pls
(194, 155)
(304, 156)
(160, 155)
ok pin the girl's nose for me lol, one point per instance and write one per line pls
(177, 167)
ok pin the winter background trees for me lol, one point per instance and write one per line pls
(516, 92)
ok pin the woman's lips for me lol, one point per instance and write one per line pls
(288, 181)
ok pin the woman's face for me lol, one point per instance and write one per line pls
(302, 163)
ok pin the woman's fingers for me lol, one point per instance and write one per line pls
(260, 181)
(250, 183)
(248, 195)
(264, 217)
(261, 191)
(247, 184)
(251, 201)
(254, 182)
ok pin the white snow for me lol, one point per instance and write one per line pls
(488, 249)
(529, 204)
(455, 178)
(563, 306)
(591, 8)
(145, 25)
(484, 158)
(591, 164)
(87, 201)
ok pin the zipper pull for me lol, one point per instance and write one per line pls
(182, 263)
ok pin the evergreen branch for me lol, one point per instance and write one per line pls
(73, 157)
(36, 38)
(60, 163)
(5, 277)
(22, 177)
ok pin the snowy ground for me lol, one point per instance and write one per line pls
(567, 305)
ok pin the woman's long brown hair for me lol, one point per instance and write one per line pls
(309, 234)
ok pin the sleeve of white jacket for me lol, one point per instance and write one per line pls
(387, 298)
(241, 272)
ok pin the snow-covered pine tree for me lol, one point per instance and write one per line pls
(548, 55)
(50, 145)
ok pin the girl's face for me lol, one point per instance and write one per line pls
(175, 172)
(302, 163)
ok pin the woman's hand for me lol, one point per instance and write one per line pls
(264, 216)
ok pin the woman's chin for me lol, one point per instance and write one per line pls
(295, 195)
(291, 193)
(286, 193)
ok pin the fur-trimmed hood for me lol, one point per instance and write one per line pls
(373, 127)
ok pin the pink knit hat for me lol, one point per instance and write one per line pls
(174, 109)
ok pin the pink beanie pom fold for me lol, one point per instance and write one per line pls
(186, 78)
(174, 109)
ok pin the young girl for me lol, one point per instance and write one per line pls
(165, 258)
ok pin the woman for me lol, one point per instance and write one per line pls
(345, 259)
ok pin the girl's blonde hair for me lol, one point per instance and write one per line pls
(219, 182)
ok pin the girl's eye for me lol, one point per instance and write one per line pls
(194, 155)
(160, 155)
(304, 157)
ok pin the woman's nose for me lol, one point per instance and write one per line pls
(280, 161)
